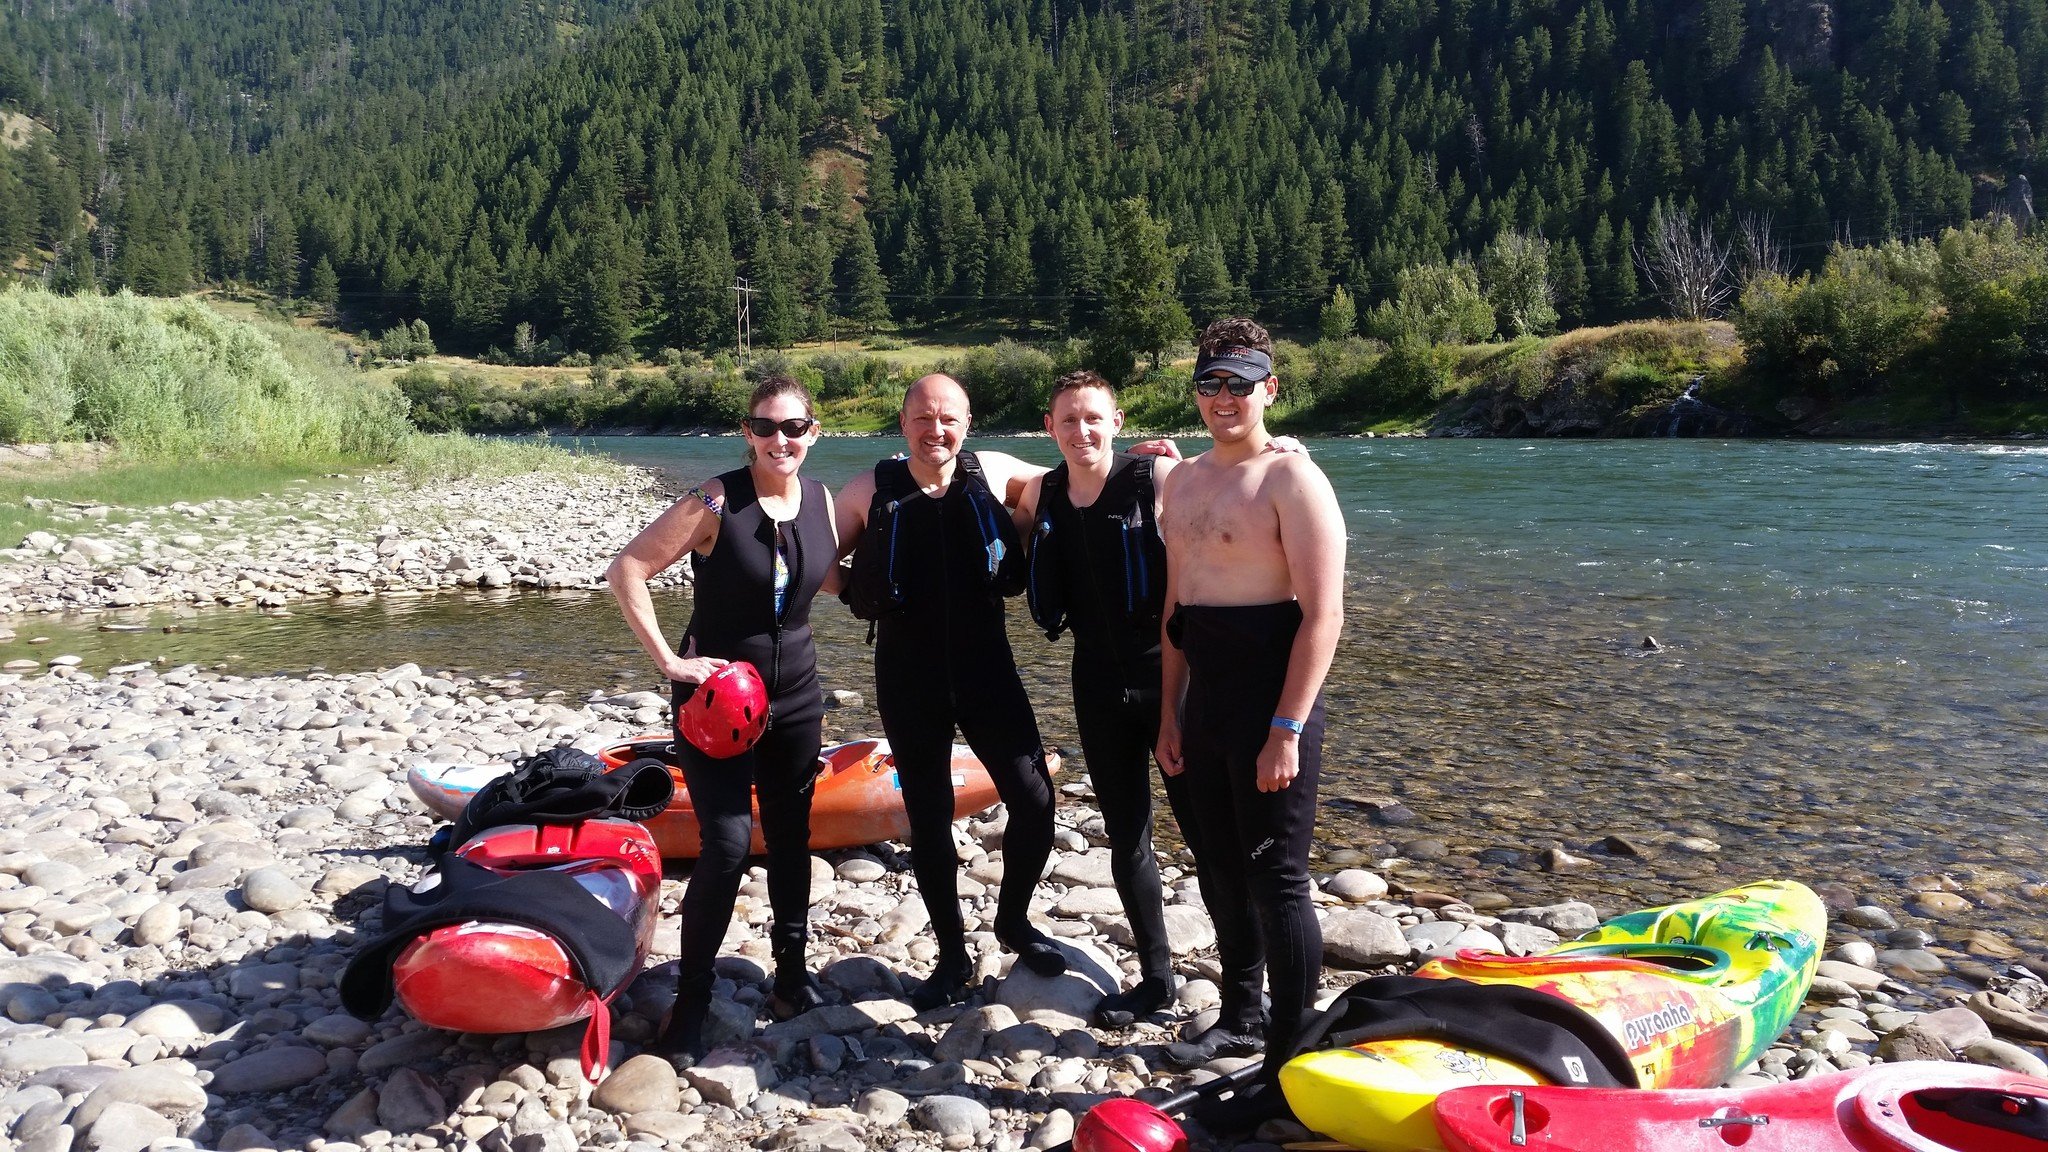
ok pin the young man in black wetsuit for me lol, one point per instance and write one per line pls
(934, 575)
(1098, 567)
(1255, 563)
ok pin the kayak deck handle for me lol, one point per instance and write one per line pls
(1733, 1121)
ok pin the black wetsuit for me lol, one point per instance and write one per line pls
(943, 661)
(734, 618)
(1111, 568)
(1251, 847)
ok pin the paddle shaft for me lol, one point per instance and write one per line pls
(1237, 1078)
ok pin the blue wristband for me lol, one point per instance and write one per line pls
(1294, 726)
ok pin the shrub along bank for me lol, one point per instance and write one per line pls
(173, 379)
(190, 405)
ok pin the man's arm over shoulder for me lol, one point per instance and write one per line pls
(1008, 475)
(1162, 471)
(1027, 505)
(850, 511)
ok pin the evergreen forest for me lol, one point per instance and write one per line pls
(595, 177)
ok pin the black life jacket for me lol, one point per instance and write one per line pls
(876, 588)
(1120, 548)
(1554, 1036)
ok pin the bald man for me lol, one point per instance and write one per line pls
(935, 554)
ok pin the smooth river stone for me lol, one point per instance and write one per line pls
(1357, 886)
(28, 1057)
(860, 870)
(1091, 871)
(269, 890)
(1081, 902)
(158, 924)
(410, 1102)
(125, 1127)
(336, 1031)
(271, 1070)
(166, 1091)
(178, 1020)
(1356, 938)
(644, 1083)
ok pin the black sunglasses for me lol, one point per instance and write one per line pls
(1238, 385)
(793, 427)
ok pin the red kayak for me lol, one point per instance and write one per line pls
(1919, 1106)
(485, 976)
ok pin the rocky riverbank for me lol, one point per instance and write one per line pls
(373, 535)
(187, 860)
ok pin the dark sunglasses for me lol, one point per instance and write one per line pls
(793, 427)
(1211, 385)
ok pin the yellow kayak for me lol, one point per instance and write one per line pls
(1693, 992)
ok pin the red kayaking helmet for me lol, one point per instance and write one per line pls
(1121, 1124)
(727, 713)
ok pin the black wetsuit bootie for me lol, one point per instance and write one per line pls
(1122, 1009)
(793, 995)
(948, 984)
(1247, 1108)
(1224, 1039)
(1035, 950)
(682, 1042)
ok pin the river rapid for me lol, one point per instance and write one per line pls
(1846, 683)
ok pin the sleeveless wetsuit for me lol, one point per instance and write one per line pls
(735, 618)
(944, 661)
(1113, 601)
(1251, 847)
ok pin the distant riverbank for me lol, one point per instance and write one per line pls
(373, 534)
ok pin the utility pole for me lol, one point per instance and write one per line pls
(743, 317)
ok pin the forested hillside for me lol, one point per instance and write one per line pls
(158, 145)
(868, 161)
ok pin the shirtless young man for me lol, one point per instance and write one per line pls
(1255, 566)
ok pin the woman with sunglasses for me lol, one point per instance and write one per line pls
(761, 541)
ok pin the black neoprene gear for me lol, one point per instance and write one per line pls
(1251, 847)
(735, 619)
(943, 662)
(1105, 568)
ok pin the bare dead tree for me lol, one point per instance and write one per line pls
(1685, 266)
(1757, 251)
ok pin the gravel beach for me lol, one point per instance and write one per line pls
(187, 858)
(368, 535)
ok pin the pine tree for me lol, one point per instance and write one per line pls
(862, 293)
(281, 254)
(1144, 310)
(701, 302)
(1340, 316)
(778, 310)
(324, 287)
(476, 294)
(1205, 282)
(599, 317)
(1568, 284)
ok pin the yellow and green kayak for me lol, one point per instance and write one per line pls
(1693, 991)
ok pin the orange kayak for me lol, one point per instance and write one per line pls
(857, 800)
(490, 976)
